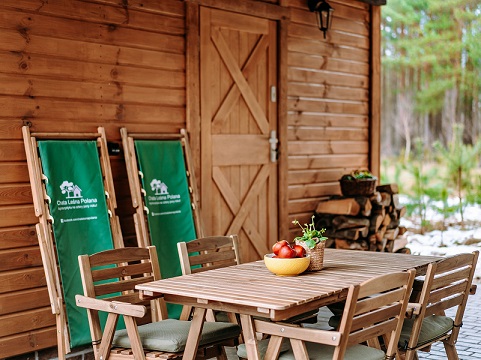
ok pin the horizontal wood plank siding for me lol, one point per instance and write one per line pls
(328, 98)
(71, 66)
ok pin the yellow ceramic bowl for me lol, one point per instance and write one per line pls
(286, 267)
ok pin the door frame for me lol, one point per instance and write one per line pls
(278, 13)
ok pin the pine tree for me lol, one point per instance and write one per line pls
(432, 54)
(460, 160)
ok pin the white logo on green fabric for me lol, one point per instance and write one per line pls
(162, 197)
(159, 187)
(73, 191)
(74, 198)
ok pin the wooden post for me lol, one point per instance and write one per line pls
(375, 93)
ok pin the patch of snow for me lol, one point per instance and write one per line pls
(454, 240)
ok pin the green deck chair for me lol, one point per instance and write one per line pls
(164, 196)
(74, 200)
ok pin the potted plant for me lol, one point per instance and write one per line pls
(314, 242)
(358, 183)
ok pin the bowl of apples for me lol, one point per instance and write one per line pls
(287, 260)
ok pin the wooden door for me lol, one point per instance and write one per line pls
(238, 119)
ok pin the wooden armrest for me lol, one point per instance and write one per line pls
(472, 289)
(413, 309)
(115, 307)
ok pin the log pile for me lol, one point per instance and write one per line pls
(364, 222)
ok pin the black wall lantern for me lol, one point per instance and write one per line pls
(324, 14)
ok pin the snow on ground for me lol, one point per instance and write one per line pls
(454, 240)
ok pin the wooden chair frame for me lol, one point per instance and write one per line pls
(447, 284)
(135, 185)
(132, 266)
(44, 227)
(374, 308)
(209, 253)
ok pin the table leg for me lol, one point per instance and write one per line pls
(195, 331)
(250, 340)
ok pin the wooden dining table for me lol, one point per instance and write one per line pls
(251, 290)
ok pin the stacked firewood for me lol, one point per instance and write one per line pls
(364, 222)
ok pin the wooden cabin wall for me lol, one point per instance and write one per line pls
(73, 66)
(328, 92)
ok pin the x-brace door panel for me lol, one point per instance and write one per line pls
(238, 118)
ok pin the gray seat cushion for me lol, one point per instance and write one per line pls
(433, 327)
(318, 351)
(170, 335)
(242, 352)
(325, 352)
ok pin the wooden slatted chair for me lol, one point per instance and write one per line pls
(205, 254)
(447, 284)
(208, 253)
(109, 280)
(374, 308)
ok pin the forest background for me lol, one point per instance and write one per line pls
(431, 105)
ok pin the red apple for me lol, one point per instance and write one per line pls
(277, 246)
(286, 252)
(300, 251)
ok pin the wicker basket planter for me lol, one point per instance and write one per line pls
(358, 183)
(358, 187)
(317, 255)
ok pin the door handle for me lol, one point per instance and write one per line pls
(273, 141)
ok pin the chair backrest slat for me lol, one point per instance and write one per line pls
(121, 271)
(449, 277)
(120, 286)
(227, 256)
(368, 304)
(208, 253)
(374, 317)
(118, 256)
(209, 243)
(373, 331)
(447, 291)
(454, 262)
(439, 307)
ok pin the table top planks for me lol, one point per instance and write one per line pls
(250, 288)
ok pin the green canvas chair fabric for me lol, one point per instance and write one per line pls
(80, 217)
(168, 202)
